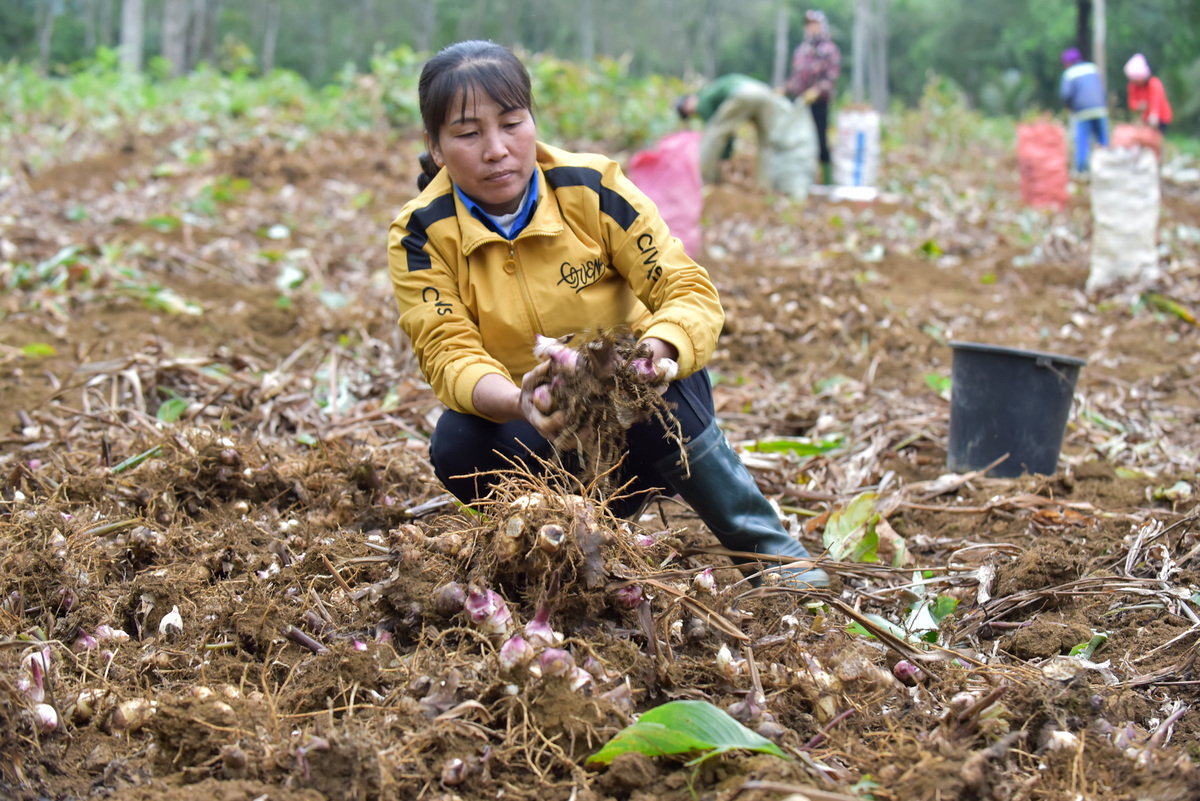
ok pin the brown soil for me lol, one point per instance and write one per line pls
(291, 492)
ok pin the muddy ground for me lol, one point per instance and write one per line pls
(215, 442)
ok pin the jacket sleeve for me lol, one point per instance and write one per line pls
(831, 67)
(794, 86)
(1157, 103)
(444, 335)
(684, 304)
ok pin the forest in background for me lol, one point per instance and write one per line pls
(1003, 54)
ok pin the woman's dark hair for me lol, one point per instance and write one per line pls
(429, 170)
(681, 106)
(458, 70)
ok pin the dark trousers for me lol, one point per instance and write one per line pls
(820, 112)
(464, 444)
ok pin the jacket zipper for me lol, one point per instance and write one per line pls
(520, 274)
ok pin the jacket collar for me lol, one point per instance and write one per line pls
(518, 222)
(546, 221)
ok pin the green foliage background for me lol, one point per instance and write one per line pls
(576, 104)
(1004, 54)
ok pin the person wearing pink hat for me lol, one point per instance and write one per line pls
(1082, 92)
(1146, 94)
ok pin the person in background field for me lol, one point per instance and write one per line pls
(511, 238)
(786, 139)
(1146, 94)
(815, 67)
(1082, 92)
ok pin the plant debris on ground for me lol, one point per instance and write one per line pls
(228, 570)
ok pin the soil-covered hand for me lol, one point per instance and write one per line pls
(657, 373)
(558, 353)
(811, 94)
(599, 383)
(537, 405)
(658, 369)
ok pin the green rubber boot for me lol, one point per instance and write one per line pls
(727, 499)
(827, 173)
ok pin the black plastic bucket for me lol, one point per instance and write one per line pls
(1004, 400)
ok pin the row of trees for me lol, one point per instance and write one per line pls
(1004, 53)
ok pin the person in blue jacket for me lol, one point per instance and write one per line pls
(1082, 92)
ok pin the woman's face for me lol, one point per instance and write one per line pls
(490, 151)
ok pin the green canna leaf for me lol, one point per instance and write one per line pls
(684, 727)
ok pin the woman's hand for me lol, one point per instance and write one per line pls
(658, 369)
(661, 348)
(497, 398)
(536, 405)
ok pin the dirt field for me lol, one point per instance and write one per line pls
(288, 516)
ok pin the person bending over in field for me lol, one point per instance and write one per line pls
(512, 239)
(1146, 94)
(786, 135)
(1082, 92)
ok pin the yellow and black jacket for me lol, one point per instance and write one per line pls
(595, 254)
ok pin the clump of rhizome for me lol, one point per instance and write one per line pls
(545, 542)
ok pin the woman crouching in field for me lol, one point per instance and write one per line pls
(512, 239)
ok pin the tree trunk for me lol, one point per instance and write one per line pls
(270, 35)
(587, 31)
(319, 35)
(176, 14)
(879, 63)
(367, 22)
(858, 49)
(869, 53)
(672, 58)
(510, 30)
(104, 23)
(708, 39)
(46, 12)
(1099, 35)
(132, 33)
(87, 14)
(538, 29)
(779, 70)
(1083, 38)
(351, 34)
(202, 38)
(426, 26)
(468, 24)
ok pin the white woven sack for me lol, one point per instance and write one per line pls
(1125, 203)
(855, 152)
(792, 158)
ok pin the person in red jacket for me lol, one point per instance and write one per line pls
(1146, 93)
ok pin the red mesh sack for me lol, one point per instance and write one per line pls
(669, 174)
(1042, 158)
(1126, 135)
